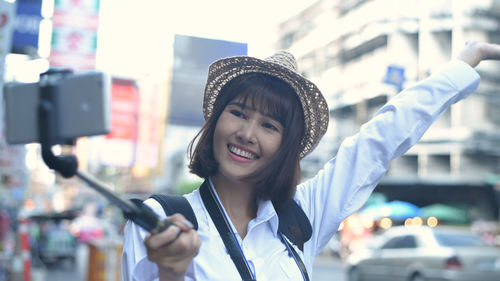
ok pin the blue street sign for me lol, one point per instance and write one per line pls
(395, 76)
(26, 26)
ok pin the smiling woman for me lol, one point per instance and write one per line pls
(262, 117)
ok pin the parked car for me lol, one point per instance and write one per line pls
(424, 254)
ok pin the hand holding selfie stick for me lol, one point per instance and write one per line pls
(67, 165)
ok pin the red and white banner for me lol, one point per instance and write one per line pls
(74, 34)
(119, 147)
(25, 248)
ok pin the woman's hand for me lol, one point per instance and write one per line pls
(475, 51)
(173, 249)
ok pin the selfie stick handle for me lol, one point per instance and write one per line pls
(67, 165)
(133, 209)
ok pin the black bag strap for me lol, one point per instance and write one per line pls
(294, 224)
(297, 258)
(176, 204)
(225, 232)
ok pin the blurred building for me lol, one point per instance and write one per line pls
(191, 57)
(362, 52)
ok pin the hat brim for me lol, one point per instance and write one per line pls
(315, 108)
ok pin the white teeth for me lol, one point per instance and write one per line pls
(241, 153)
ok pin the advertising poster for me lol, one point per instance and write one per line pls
(74, 34)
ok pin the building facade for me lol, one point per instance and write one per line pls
(360, 53)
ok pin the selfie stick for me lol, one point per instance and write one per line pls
(67, 165)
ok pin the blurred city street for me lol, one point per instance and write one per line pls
(130, 122)
(326, 268)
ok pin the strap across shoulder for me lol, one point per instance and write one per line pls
(294, 224)
(176, 204)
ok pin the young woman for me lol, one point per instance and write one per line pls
(262, 117)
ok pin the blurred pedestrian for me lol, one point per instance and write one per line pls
(262, 117)
(88, 226)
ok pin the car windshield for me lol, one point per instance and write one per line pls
(458, 240)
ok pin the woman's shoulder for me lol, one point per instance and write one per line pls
(194, 198)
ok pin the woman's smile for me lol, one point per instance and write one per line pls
(240, 154)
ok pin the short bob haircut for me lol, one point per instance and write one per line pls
(271, 96)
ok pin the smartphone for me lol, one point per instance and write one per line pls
(83, 108)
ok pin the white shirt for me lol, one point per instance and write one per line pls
(337, 191)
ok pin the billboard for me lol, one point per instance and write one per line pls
(192, 56)
(74, 34)
(119, 147)
(27, 26)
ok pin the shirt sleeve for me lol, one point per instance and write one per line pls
(346, 181)
(135, 265)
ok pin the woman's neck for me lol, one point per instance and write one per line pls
(238, 199)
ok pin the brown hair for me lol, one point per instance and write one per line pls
(278, 179)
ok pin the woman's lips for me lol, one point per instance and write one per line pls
(240, 154)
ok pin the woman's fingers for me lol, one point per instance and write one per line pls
(180, 221)
(174, 248)
(491, 51)
(185, 246)
(172, 233)
(476, 51)
(173, 258)
(163, 238)
(164, 248)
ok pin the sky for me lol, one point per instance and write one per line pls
(134, 39)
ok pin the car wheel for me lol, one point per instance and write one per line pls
(417, 277)
(354, 274)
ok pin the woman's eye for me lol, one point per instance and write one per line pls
(237, 113)
(270, 126)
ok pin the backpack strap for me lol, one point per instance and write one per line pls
(294, 224)
(172, 204)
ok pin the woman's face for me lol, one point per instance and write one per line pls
(244, 140)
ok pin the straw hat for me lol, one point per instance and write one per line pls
(281, 65)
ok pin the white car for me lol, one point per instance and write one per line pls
(424, 254)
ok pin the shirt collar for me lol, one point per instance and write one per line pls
(265, 211)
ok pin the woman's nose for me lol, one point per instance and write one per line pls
(246, 132)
